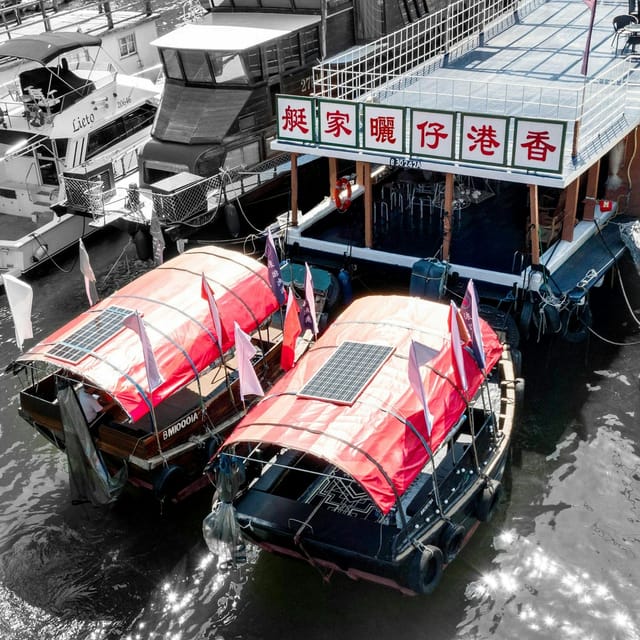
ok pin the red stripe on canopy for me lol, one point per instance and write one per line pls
(178, 322)
(370, 440)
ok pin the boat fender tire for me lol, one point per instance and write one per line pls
(169, 482)
(424, 570)
(519, 392)
(487, 500)
(232, 219)
(142, 242)
(524, 320)
(516, 359)
(333, 295)
(576, 327)
(452, 539)
(552, 319)
(342, 204)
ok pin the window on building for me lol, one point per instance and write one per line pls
(127, 45)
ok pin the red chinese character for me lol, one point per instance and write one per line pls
(382, 129)
(431, 130)
(485, 137)
(336, 123)
(295, 119)
(538, 145)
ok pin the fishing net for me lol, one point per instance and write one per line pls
(89, 477)
(630, 233)
(220, 528)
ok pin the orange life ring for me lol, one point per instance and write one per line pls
(341, 185)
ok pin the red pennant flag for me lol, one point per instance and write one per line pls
(458, 359)
(471, 317)
(290, 332)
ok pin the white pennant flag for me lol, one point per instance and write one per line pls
(249, 383)
(20, 298)
(89, 277)
(154, 379)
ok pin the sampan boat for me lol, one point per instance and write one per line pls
(159, 440)
(348, 465)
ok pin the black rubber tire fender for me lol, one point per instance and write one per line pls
(487, 500)
(169, 481)
(424, 570)
(452, 539)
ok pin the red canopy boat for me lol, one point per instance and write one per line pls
(162, 435)
(350, 473)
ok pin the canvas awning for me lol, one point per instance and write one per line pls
(177, 320)
(47, 46)
(371, 439)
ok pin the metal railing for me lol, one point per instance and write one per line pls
(199, 198)
(452, 31)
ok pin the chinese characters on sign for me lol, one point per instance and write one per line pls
(432, 134)
(384, 128)
(535, 145)
(296, 118)
(338, 123)
(538, 145)
(483, 139)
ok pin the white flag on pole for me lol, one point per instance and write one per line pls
(20, 298)
(89, 276)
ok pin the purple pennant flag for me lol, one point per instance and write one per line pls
(419, 355)
(275, 276)
(154, 379)
(471, 319)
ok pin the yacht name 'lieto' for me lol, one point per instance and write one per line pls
(83, 121)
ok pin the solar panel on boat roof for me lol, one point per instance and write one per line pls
(94, 333)
(347, 372)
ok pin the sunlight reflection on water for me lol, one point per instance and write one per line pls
(555, 581)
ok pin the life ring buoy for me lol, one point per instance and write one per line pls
(342, 204)
(424, 570)
(452, 538)
(487, 500)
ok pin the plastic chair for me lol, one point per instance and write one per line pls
(619, 23)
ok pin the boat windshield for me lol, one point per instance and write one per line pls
(205, 67)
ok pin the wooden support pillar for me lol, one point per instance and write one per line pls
(592, 191)
(333, 175)
(534, 227)
(570, 208)
(446, 216)
(361, 169)
(294, 189)
(365, 172)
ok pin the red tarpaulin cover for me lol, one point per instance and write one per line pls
(177, 320)
(371, 434)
